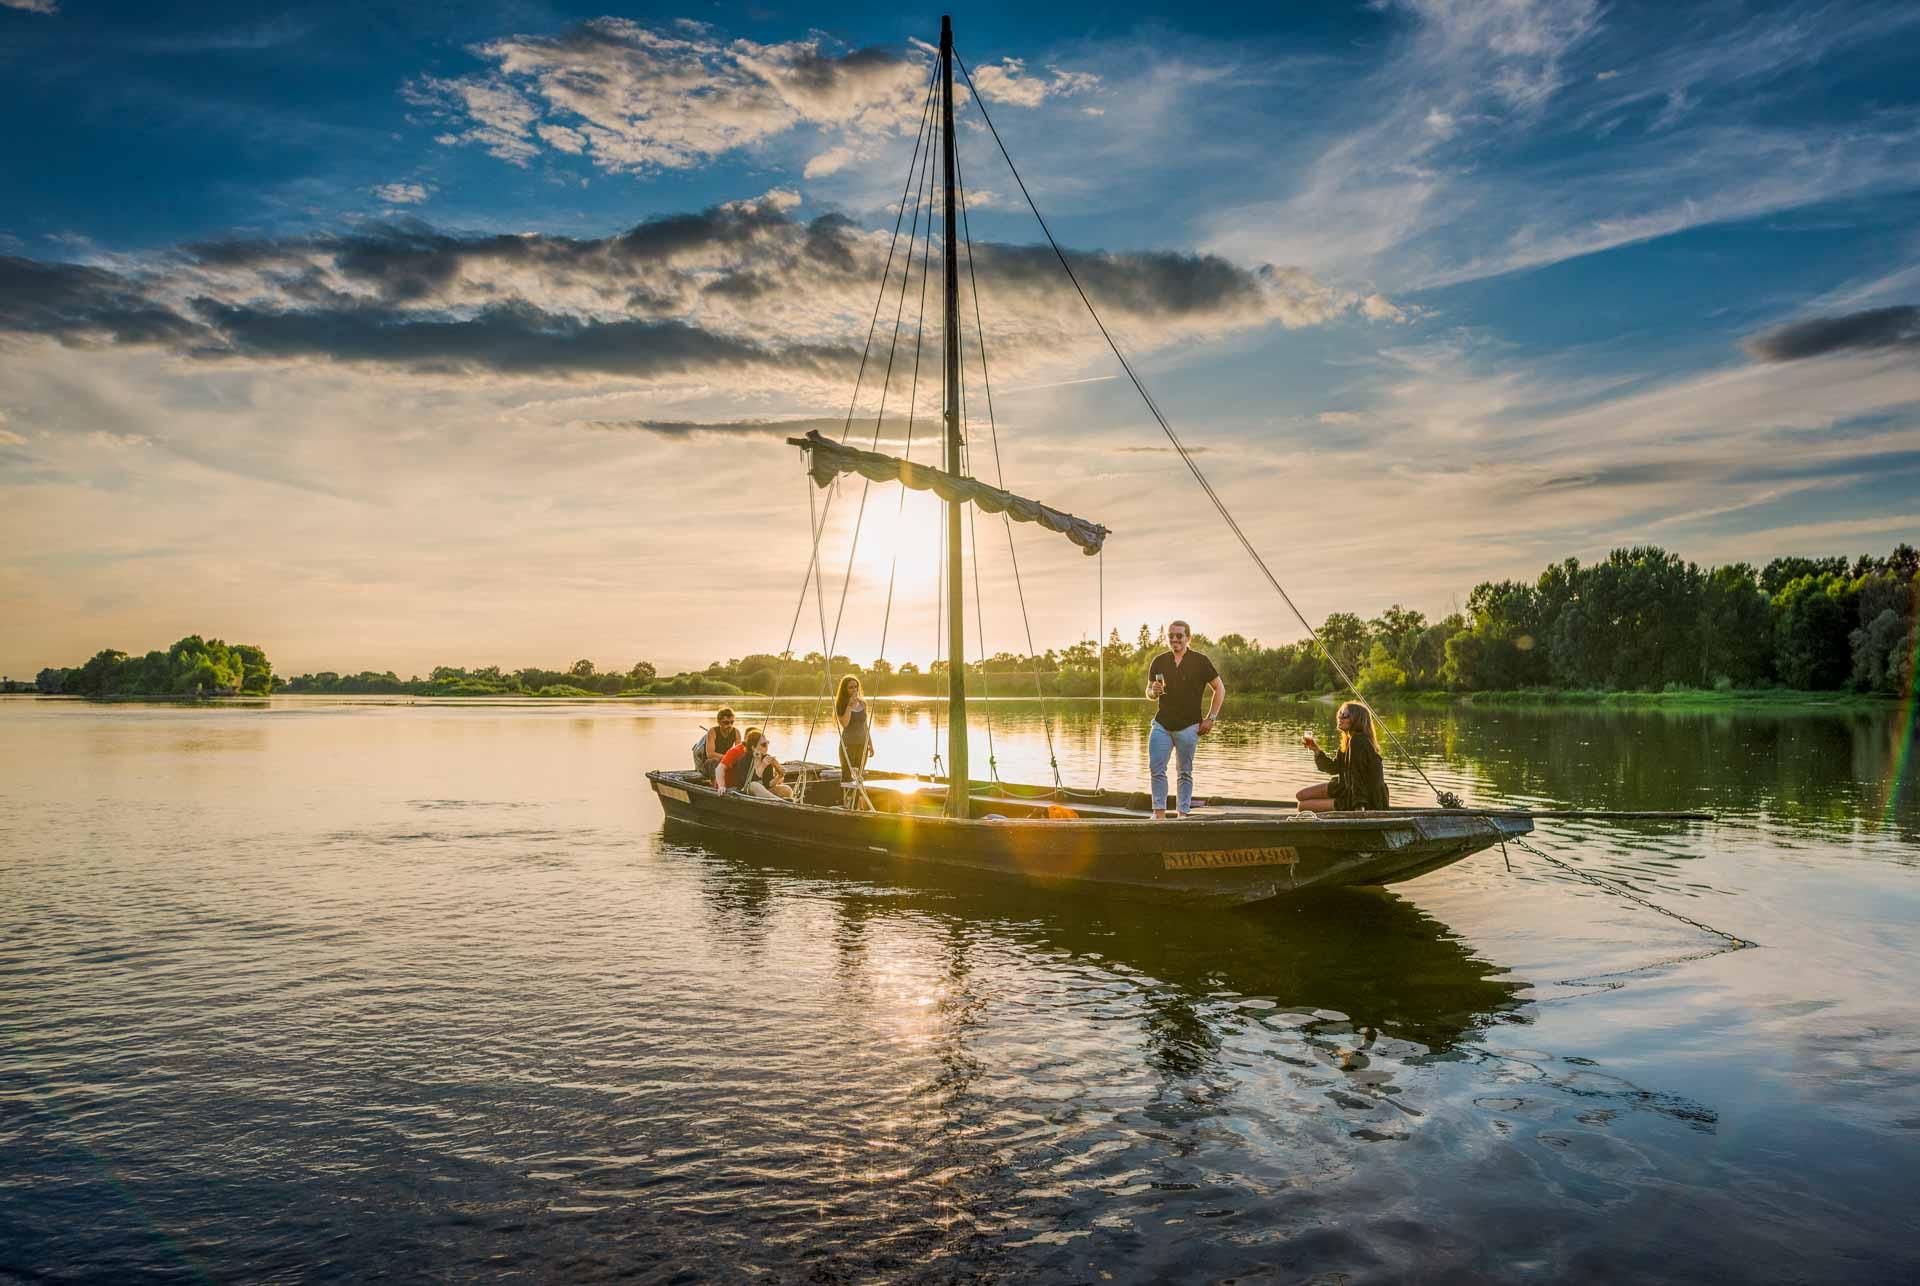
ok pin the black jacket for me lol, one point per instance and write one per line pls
(1359, 778)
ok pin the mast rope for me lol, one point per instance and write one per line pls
(831, 644)
(1186, 456)
(923, 136)
(820, 598)
(999, 477)
(973, 538)
(1100, 648)
(913, 408)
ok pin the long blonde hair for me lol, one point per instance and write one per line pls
(1362, 723)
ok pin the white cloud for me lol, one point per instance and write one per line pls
(631, 98)
(402, 193)
(33, 6)
(562, 139)
(1008, 82)
(493, 114)
(831, 161)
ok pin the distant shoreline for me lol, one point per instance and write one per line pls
(1677, 700)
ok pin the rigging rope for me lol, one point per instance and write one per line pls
(913, 408)
(886, 386)
(820, 598)
(1100, 646)
(973, 542)
(923, 136)
(1186, 456)
(818, 525)
(999, 476)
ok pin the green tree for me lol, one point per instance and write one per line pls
(1344, 636)
(1382, 673)
(1736, 629)
(1781, 572)
(1813, 618)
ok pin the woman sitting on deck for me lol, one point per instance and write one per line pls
(751, 767)
(1359, 777)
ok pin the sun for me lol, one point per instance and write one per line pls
(901, 537)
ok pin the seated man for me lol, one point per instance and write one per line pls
(750, 766)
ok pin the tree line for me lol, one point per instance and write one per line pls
(581, 679)
(193, 667)
(1641, 619)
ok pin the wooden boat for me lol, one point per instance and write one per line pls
(1228, 851)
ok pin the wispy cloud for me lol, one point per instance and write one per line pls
(33, 6)
(1481, 152)
(1008, 81)
(402, 193)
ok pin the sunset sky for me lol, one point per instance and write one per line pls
(393, 335)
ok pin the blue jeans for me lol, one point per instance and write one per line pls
(1160, 744)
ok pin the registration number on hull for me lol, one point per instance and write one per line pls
(1213, 858)
(673, 792)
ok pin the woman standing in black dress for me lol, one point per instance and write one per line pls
(1359, 776)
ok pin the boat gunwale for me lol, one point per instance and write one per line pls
(1398, 820)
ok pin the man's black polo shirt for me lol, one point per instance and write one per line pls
(1186, 688)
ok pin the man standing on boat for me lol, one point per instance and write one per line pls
(1177, 680)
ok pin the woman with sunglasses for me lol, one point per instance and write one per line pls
(1359, 776)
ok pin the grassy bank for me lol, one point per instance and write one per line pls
(1675, 699)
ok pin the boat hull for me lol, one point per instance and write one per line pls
(1238, 856)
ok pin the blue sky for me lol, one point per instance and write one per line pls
(371, 333)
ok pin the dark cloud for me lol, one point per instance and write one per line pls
(1876, 328)
(737, 287)
(82, 306)
(1648, 473)
(508, 340)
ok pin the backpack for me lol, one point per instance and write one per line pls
(700, 752)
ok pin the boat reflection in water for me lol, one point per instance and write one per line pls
(1342, 963)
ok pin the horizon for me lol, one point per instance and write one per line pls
(415, 339)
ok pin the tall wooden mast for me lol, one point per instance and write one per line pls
(956, 628)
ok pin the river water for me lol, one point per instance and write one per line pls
(331, 990)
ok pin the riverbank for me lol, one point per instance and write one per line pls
(1678, 699)
(1758, 700)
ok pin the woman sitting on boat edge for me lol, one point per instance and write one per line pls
(1359, 776)
(751, 767)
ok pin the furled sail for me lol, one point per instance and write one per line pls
(827, 460)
